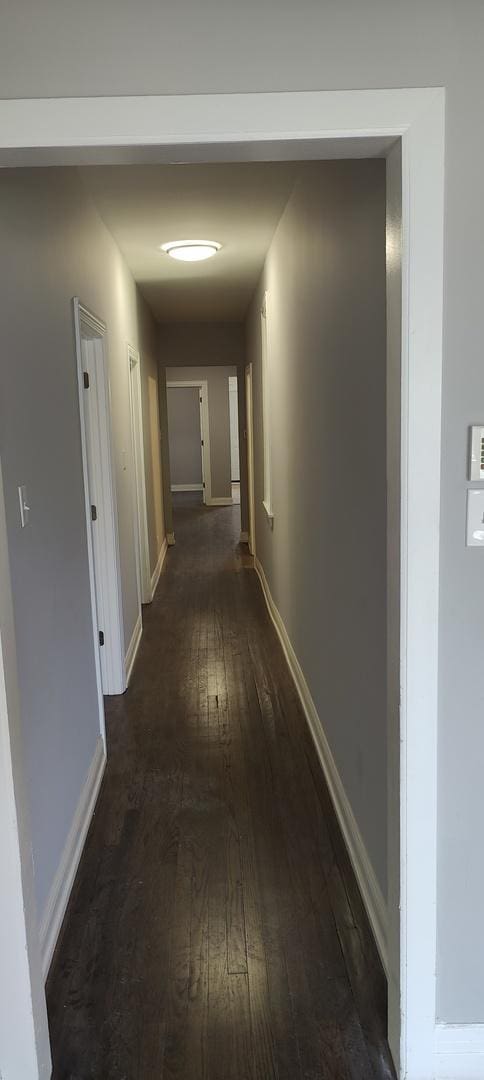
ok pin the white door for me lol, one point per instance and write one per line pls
(100, 499)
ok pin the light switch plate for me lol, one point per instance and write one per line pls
(475, 517)
(476, 453)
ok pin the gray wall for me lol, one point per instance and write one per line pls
(54, 246)
(184, 434)
(234, 428)
(165, 455)
(336, 46)
(148, 346)
(207, 344)
(219, 421)
(325, 558)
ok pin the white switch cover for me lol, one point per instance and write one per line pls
(476, 455)
(24, 507)
(475, 517)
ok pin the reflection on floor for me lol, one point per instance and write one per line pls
(215, 931)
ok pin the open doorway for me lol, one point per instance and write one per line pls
(256, 451)
(189, 437)
(202, 429)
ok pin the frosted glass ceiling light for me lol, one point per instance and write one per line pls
(191, 250)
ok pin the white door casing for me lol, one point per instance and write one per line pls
(139, 479)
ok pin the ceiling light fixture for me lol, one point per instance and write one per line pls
(191, 250)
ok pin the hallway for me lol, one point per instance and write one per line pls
(215, 930)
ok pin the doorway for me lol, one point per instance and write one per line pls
(417, 117)
(189, 437)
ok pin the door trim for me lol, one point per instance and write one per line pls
(139, 486)
(105, 594)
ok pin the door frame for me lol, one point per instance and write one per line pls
(106, 594)
(140, 511)
(249, 432)
(202, 386)
(332, 124)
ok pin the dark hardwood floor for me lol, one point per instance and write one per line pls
(215, 930)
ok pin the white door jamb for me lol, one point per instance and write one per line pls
(139, 484)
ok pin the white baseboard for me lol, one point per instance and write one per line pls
(459, 1051)
(244, 538)
(187, 487)
(170, 539)
(370, 890)
(220, 502)
(133, 648)
(155, 577)
(58, 898)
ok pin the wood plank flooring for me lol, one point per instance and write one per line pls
(215, 930)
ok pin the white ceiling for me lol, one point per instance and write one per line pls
(239, 205)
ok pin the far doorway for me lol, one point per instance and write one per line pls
(188, 435)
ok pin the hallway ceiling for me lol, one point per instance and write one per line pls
(238, 205)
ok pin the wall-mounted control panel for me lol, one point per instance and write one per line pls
(476, 453)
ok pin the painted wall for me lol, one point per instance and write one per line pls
(162, 49)
(184, 435)
(156, 512)
(206, 344)
(325, 557)
(148, 345)
(219, 422)
(54, 246)
(234, 428)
